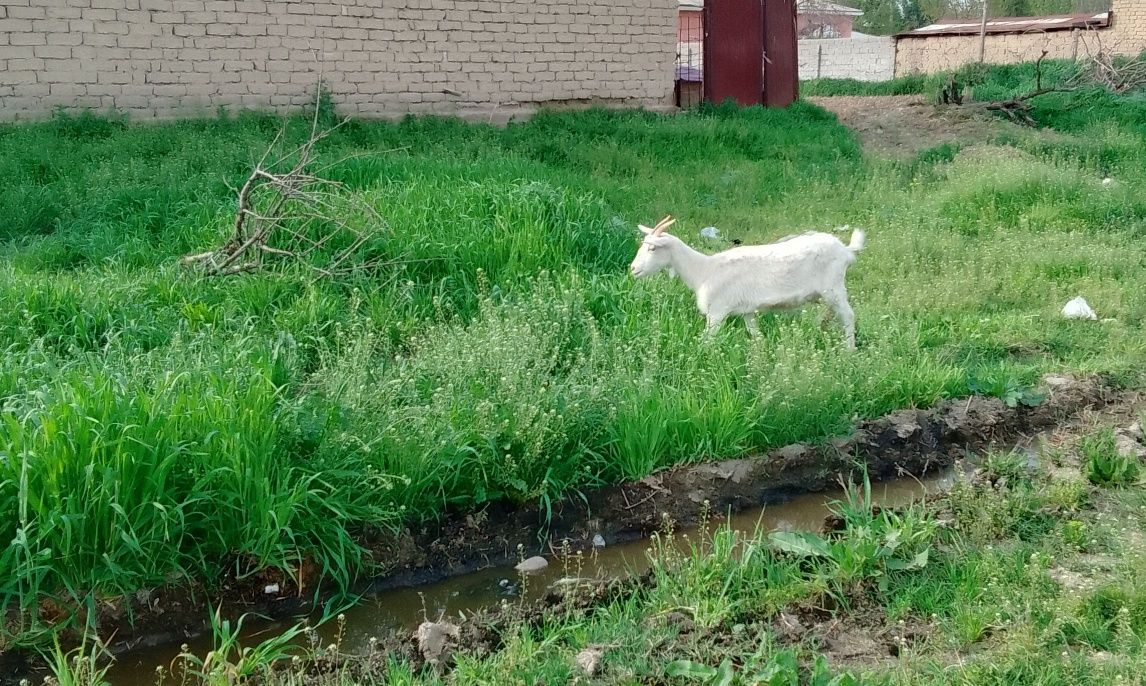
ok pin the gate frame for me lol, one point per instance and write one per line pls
(781, 53)
(739, 26)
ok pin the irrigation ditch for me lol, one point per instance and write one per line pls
(462, 560)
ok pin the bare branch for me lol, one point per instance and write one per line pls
(1099, 68)
(286, 212)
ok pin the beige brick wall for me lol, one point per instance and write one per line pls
(944, 53)
(1126, 35)
(171, 58)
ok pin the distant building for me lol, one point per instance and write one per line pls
(822, 19)
(814, 19)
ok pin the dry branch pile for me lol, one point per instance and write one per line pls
(1117, 75)
(1101, 69)
(288, 212)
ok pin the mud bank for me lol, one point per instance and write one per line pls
(908, 442)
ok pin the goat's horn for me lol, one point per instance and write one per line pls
(663, 224)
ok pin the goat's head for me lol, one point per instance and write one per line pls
(653, 255)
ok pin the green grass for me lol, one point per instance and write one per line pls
(987, 82)
(1012, 608)
(914, 84)
(1106, 465)
(159, 427)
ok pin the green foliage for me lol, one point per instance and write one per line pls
(1007, 389)
(783, 670)
(1104, 464)
(1014, 604)
(229, 662)
(982, 516)
(723, 579)
(1011, 465)
(157, 426)
(871, 546)
(86, 664)
(988, 81)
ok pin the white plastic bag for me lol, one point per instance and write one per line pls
(1078, 309)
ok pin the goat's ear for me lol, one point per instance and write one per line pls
(644, 229)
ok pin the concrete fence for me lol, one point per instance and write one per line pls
(878, 59)
(1126, 35)
(865, 59)
(172, 58)
(945, 53)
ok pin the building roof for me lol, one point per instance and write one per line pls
(802, 7)
(825, 7)
(1056, 22)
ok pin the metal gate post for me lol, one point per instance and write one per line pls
(781, 64)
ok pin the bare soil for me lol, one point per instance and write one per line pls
(902, 126)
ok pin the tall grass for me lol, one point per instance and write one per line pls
(986, 81)
(157, 425)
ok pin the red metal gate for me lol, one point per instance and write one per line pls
(748, 52)
(733, 46)
(781, 65)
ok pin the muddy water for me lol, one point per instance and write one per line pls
(405, 608)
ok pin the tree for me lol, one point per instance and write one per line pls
(1010, 8)
(912, 15)
(883, 17)
(880, 17)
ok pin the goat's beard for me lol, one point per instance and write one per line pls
(671, 272)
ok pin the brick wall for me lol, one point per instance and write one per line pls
(865, 59)
(930, 54)
(1127, 33)
(170, 58)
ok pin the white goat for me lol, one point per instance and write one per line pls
(751, 279)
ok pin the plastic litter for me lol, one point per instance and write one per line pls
(1078, 309)
(710, 232)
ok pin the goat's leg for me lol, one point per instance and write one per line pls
(752, 324)
(713, 320)
(838, 301)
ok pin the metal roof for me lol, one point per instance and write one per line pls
(825, 7)
(1057, 22)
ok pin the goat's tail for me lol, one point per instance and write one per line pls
(857, 241)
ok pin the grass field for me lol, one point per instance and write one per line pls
(1019, 575)
(159, 426)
